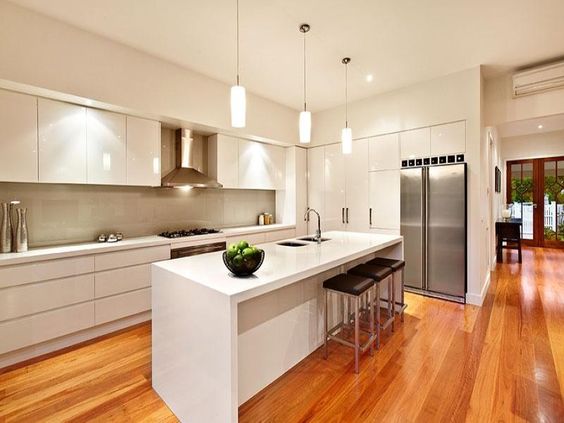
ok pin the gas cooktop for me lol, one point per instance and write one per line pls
(189, 232)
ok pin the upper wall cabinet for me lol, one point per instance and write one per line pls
(106, 141)
(223, 160)
(62, 142)
(143, 152)
(237, 163)
(384, 152)
(415, 143)
(18, 137)
(448, 139)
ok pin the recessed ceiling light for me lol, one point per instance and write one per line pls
(369, 77)
(540, 127)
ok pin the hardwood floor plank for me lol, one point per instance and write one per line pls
(445, 362)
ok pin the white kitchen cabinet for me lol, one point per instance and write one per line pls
(18, 137)
(415, 143)
(62, 142)
(106, 139)
(356, 192)
(448, 139)
(316, 186)
(223, 160)
(334, 190)
(143, 152)
(123, 305)
(385, 199)
(384, 152)
(261, 166)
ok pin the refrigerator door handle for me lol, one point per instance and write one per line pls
(426, 251)
(424, 209)
(370, 216)
(342, 215)
(347, 215)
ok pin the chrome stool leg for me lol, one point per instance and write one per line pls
(326, 325)
(378, 320)
(371, 314)
(356, 334)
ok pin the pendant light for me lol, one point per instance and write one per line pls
(346, 133)
(305, 115)
(238, 94)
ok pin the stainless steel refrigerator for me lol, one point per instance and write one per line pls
(433, 224)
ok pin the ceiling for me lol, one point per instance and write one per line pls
(398, 42)
(531, 126)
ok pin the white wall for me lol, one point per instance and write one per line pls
(41, 52)
(547, 144)
(450, 98)
(501, 107)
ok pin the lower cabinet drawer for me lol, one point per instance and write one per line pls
(119, 306)
(131, 257)
(35, 298)
(31, 330)
(118, 281)
(279, 235)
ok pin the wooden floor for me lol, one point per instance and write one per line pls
(502, 362)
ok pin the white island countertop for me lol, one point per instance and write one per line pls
(282, 265)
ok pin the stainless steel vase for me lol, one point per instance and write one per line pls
(6, 229)
(21, 231)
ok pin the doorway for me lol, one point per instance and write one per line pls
(535, 190)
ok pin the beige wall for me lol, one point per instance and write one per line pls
(547, 144)
(41, 52)
(59, 214)
(447, 99)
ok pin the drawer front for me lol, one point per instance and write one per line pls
(112, 282)
(45, 270)
(119, 306)
(252, 239)
(39, 297)
(133, 257)
(279, 235)
(42, 327)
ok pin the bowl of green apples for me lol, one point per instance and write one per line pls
(243, 259)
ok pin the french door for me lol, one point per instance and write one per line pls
(535, 188)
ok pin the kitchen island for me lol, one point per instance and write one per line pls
(219, 339)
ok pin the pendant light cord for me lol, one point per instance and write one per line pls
(346, 95)
(237, 42)
(305, 75)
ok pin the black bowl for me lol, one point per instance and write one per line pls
(246, 268)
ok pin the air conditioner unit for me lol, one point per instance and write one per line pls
(539, 79)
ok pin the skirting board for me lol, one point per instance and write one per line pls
(479, 299)
(46, 347)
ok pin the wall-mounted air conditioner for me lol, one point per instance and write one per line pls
(539, 79)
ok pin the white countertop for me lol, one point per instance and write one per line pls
(73, 250)
(282, 265)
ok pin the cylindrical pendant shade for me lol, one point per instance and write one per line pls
(238, 106)
(346, 141)
(305, 127)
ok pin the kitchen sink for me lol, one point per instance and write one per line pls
(312, 239)
(291, 244)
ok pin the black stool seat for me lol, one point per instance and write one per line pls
(372, 271)
(349, 284)
(394, 264)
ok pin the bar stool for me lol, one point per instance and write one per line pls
(350, 287)
(397, 267)
(379, 274)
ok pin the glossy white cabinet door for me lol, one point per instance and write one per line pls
(261, 166)
(18, 137)
(385, 199)
(106, 139)
(356, 165)
(384, 152)
(316, 186)
(143, 152)
(448, 139)
(334, 191)
(415, 143)
(62, 142)
(223, 160)
(276, 165)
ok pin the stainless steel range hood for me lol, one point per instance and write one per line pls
(186, 174)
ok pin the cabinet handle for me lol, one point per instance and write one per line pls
(347, 215)
(343, 215)
(370, 216)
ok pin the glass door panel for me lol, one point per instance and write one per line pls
(522, 195)
(553, 204)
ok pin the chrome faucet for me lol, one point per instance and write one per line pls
(317, 236)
